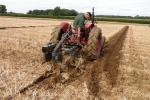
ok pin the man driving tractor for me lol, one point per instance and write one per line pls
(78, 24)
(84, 35)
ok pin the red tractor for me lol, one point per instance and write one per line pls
(63, 40)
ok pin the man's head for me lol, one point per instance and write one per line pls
(88, 15)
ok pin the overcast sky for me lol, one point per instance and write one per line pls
(102, 7)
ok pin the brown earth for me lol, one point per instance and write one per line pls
(121, 72)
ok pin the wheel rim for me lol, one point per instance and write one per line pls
(98, 47)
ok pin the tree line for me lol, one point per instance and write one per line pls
(57, 11)
(117, 16)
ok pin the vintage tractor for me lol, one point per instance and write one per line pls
(64, 41)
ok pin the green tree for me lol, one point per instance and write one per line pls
(67, 12)
(30, 12)
(73, 13)
(64, 12)
(57, 11)
(137, 16)
(3, 9)
(36, 12)
(50, 12)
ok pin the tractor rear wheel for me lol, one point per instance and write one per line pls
(94, 46)
(56, 34)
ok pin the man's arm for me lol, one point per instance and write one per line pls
(79, 30)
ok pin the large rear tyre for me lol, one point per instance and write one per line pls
(103, 42)
(94, 43)
(56, 34)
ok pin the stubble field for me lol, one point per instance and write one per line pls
(122, 72)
